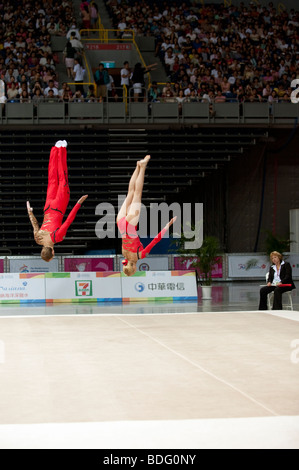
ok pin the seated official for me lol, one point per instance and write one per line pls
(280, 274)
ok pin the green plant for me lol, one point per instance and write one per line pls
(274, 243)
(205, 258)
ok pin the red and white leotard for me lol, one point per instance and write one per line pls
(131, 241)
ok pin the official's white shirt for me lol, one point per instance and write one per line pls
(276, 279)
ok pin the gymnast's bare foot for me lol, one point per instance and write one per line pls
(145, 161)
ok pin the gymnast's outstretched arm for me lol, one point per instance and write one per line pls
(32, 219)
(147, 249)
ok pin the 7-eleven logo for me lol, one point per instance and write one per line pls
(83, 288)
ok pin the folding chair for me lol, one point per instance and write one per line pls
(288, 294)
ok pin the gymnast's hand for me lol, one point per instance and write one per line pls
(82, 199)
(170, 223)
(29, 209)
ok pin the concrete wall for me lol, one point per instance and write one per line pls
(95, 57)
(262, 188)
(254, 193)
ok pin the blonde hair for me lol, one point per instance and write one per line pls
(129, 270)
(47, 253)
(276, 253)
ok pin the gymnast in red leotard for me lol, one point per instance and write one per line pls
(58, 195)
(127, 220)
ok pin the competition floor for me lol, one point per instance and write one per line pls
(208, 375)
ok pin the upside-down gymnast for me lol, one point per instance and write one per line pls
(128, 218)
(58, 195)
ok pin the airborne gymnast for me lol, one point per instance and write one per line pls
(58, 195)
(128, 218)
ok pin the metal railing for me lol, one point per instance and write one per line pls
(107, 36)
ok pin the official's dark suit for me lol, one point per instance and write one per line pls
(286, 278)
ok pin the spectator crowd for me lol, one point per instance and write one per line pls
(215, 52)
(27, 62)
(210, 52)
